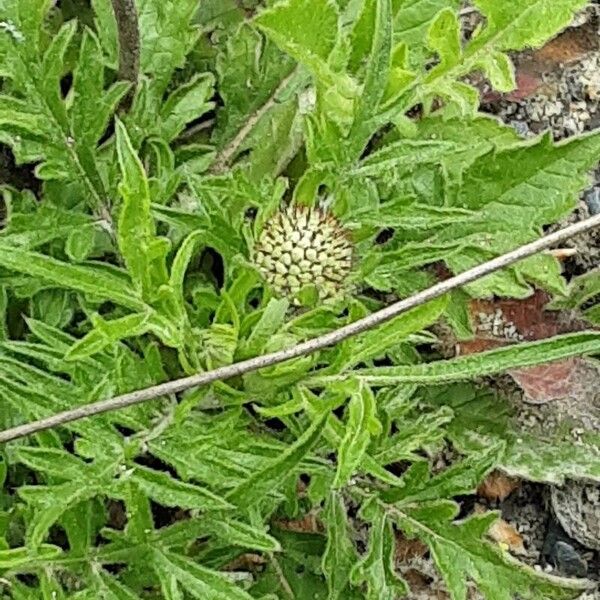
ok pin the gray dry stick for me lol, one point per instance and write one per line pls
(334, 337)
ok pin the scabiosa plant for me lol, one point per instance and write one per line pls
(337, 149)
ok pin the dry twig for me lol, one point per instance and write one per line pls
(308, 347)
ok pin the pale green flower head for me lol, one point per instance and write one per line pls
(301, 246)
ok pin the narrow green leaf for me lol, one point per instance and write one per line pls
(15, 558)
(290, 407)
(29, 17)
(461, 554)
(526, 23)
(32, 229)
(113, 589)
(243, 535)
(480, 364)
(499, 69)
(218, 344)
(444, 38)
(362, 34)
(53, 461)
(413, 434)
(53, 66)
(459, 316)
(50, 588)
(98, 282)
(483, 419)
(362, 420)
(593, 315)
(271, 320)
(169, 585)
(143, 252)
(380, 51)
(400, 157)
(547, 460)
(140, 523)
(185, 104)
(340, 554)
(279, 469)
(412, 19)
(92, 106)
(306, 29)
(199, 581)
(460, 478)
(581, 290)
(376, 342)
(251, 71)
(377, 567)
(81, 524)
(106, 333)
(16, 116)
(64, 496)
(3, 313)
(180, 264)
(164, 489)
(541, 177)
(80, 243)
(377, 74)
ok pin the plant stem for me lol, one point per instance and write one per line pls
(129, 45)
(227, 154)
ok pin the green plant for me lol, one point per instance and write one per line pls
(137, 261)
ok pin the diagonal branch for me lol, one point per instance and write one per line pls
(308, 347)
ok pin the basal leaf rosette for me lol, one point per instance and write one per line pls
(302, 246)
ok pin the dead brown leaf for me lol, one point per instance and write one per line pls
(407, 549)
(245, 562)
(529, 316)
(545, 383)
(308, 524)
(504, 322)
(507, 536)
(497, 486)
(504, 533)
(416, 580)
(569, 47)
(528, 83)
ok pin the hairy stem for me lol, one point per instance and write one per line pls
(308, 347)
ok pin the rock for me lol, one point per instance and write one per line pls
(592, 199)
(521, 128)
(577, 508)
(567, 560)
(560, 552)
